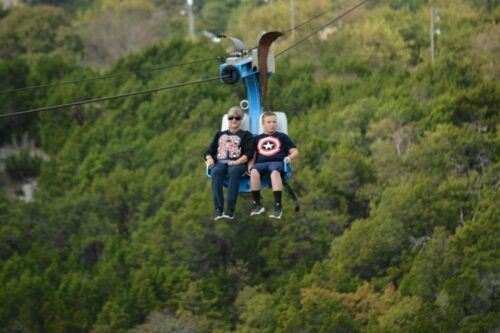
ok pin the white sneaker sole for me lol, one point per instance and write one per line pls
(262, 210)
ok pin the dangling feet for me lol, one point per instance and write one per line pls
(218, 214)
(257, 209)
(278, 211)
(228, 215)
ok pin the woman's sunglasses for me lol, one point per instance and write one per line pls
(235, 118)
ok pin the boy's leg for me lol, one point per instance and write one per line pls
(277, 184)
(218, 173)
(255, 185)
(235, 172)
(255, 180)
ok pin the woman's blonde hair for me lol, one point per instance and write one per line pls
(237, 111)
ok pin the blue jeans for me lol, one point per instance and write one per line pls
(218, 173)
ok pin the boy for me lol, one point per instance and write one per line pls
(272, 150)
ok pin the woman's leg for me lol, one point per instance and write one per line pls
(235, 172)
(218, 173)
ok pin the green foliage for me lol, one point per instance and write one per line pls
(23, 165)
(13, 74)
(253, 305)
(398, 179)
(30, 32)
(71, 6)
(412, 4)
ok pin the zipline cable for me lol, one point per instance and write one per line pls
(313, 18)
(149, 70)
(133, 93)
(106, 76)
(323, 26)
(102, 99)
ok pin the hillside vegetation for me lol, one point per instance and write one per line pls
(398, 177)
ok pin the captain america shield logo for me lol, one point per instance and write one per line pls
(268, 146)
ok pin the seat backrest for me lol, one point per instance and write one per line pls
(245, 123)
(282, 123)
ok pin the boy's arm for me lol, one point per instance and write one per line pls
(292, 153)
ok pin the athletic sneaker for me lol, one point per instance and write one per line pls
(229, 215)
(257, 209)
(277, 212)
(218, 214)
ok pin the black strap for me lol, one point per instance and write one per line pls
(292, 195)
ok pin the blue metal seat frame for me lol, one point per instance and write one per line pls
(249, 75)
(244, 186)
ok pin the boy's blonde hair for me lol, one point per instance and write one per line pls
(268, 114)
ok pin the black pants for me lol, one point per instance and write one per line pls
(218, 173)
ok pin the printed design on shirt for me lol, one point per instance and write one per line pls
(268, 146)
(229, 147)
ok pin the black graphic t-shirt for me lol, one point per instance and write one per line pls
(231, 146)
(272, 147)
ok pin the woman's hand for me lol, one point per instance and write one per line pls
(239, 161)
(209, 161)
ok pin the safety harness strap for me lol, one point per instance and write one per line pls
(292, 195)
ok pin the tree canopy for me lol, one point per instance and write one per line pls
(398, 176)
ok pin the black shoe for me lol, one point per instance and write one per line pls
(218, 214)
(229, 215)
(257, 209)
(277, 212)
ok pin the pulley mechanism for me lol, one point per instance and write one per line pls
(253, 67)
(230, 74)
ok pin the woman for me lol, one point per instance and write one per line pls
(228, 153)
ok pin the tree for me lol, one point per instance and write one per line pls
(28, 31)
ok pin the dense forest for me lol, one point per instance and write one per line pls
(399, 172)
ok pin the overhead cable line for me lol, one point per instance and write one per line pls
(323, 26)
(313, 18)
(102, 99)
(107, 76)
(133, 93)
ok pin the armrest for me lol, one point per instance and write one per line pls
(286, 166)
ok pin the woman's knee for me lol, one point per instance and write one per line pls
(218, 173)
(236, 171)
